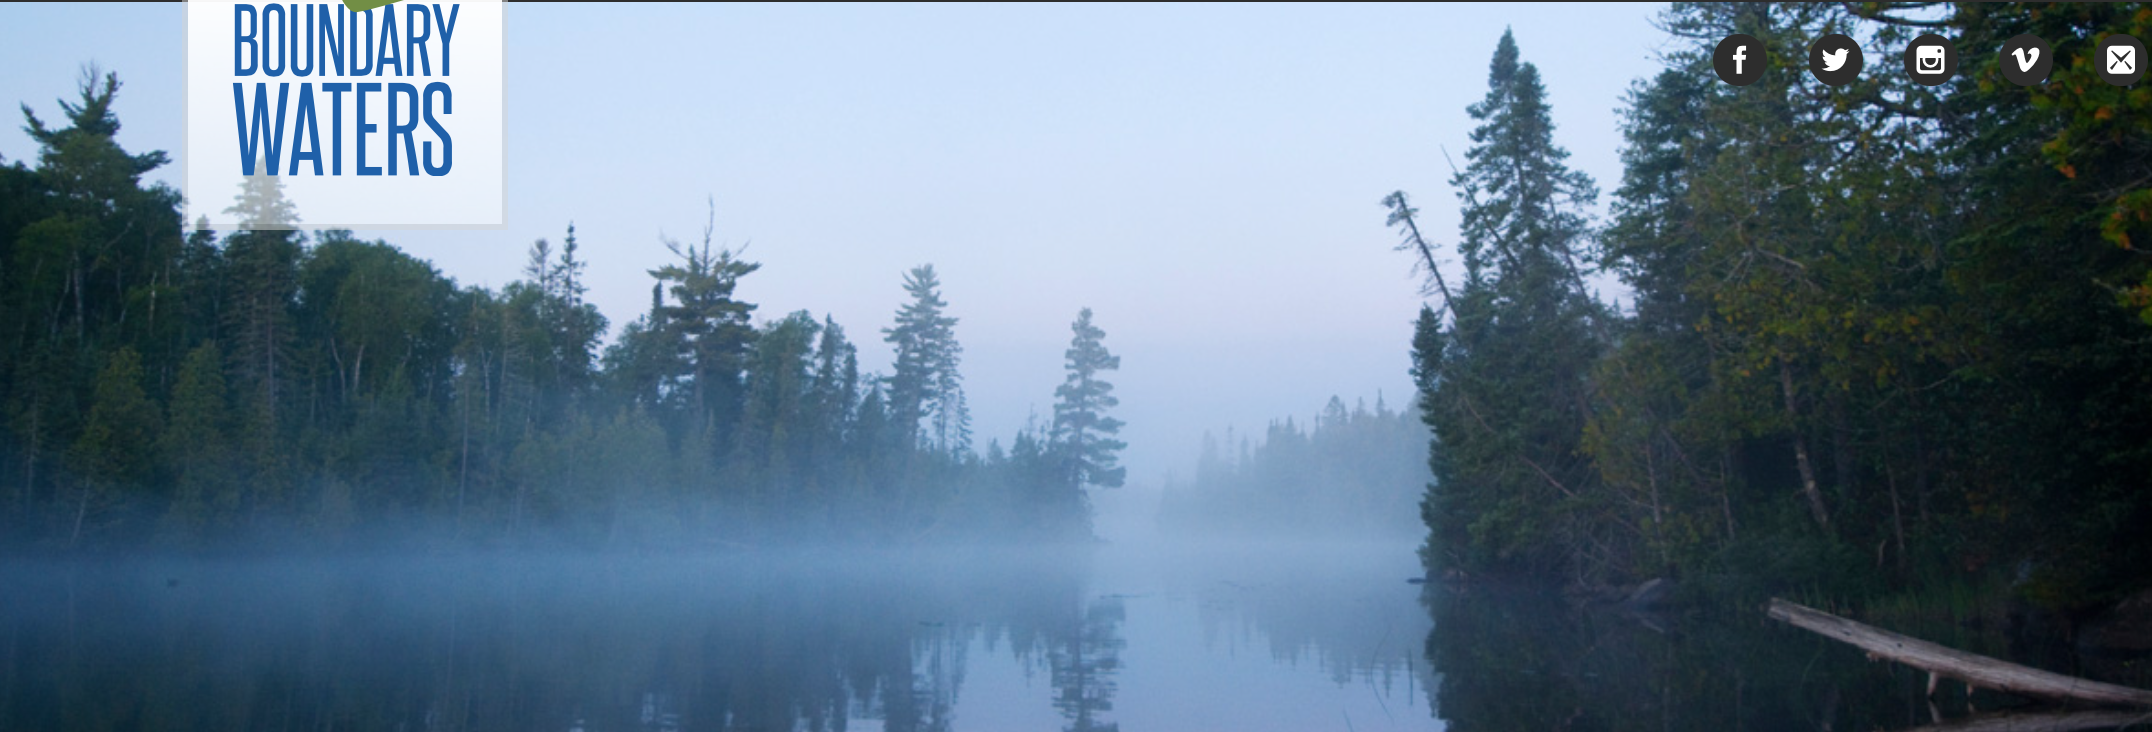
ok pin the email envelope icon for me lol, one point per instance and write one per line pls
(2121, 60)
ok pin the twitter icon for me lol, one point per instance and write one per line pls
(1835, 59)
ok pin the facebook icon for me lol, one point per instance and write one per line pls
(1740, 59)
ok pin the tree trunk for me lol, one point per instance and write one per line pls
(29, 463)
(1897, 517)
(1973, 669)
(82, 508)
(1842, 460)
(1800, 451)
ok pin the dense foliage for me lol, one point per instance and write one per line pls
(1877, 333)
(161, 385)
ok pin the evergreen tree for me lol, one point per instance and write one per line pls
(925, 384)
(109, 457)
(1508, 379)
(773, 440)
(83, 248)
(200, 283)
(1647, 438)
(262, 260)
(707, 330)
(831, 408)
(195, 443)
(1083, 435)
(105, 234)
(1353, 473)
(576, 325)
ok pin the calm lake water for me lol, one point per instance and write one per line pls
(1280, 638)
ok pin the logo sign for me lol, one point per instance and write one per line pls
(386, 118)
(2026, 60)
(1739, 59)
(1931, 60)
(1835, 59)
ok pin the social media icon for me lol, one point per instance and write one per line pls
(2122, 59)
(1739, 60)
(1931, 60)
(2026, 60)
(1835, 59)
(1928, 59)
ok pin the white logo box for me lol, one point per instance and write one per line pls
(459, 184)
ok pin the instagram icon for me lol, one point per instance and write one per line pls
(1930, 60)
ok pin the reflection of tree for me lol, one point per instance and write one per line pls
(1084, 662)
(1342, 609)
(923, 698)
(1525, 660)
(592, 645)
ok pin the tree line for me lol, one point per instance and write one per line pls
(1877, 336)
(1348, 473)
(172, 385)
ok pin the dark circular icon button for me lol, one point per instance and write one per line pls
(1931, 60)
(1835, 59)
(2122, 59)
(1739, 59)
(2026, 60)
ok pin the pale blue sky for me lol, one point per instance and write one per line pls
(1207, 178)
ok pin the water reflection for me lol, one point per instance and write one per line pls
(1085, 660)
(1285, 638)
(1519, 659)
(1347, 611)
(1272, 638)
(575, 644)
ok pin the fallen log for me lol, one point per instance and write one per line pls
(1971, 668)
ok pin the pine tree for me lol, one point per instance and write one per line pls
(1083, 435)
(925, 384)
(106, 234)
(708, 330)
(1506, 384)
(576, 325)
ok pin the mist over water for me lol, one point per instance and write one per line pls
(1140, 632)
(1144, 633)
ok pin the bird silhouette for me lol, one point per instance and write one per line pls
(1832, 60)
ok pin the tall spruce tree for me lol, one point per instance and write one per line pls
(262, 260)
(1507, 381)
(925, 384)
(1083, 434)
